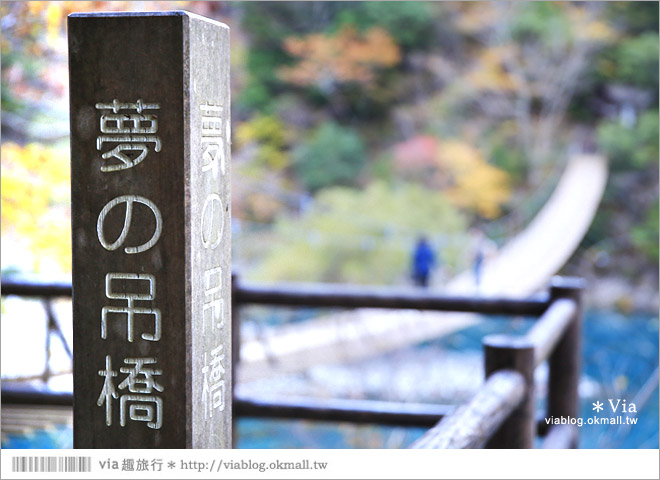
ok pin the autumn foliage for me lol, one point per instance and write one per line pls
(459, 169)
(35, 201)
(35, 159)
(475, 103)
(347, 56)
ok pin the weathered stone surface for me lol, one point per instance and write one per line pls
(151, 241)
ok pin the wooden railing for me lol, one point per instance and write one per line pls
(500, 415)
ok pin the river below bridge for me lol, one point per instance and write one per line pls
(620, 356)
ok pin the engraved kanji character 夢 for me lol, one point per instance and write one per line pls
(132, 132)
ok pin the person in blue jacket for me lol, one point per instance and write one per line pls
(423, 262)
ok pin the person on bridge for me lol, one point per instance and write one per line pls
(422, 262)
(483, 249)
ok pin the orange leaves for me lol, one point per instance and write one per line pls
(347, 56)
(459, 169)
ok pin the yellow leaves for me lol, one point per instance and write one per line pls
(528, 31)
(480, 17)
(269, 133)
(53, 14)
(474, 17)
(52, 242)
(262, 128)
(16, 194)
(589, 29)
(490, 72)
(597, 31)
(35, 201)
(459, 169)
(49, 165)
(53, 19)
(347, 56)
(263, 156)
(477, 185)
(458, 156)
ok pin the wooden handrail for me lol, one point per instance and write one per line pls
(472, 424)
(343, 410)
(357, 296)
(555, 336)
(26, 288)
(499, 413)
(333, 295)
(548, 330)
(328, 410)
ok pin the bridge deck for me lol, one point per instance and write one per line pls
(522, 267)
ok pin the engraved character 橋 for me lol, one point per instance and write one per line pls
(141, 404)
(108, 392)
(213, 388)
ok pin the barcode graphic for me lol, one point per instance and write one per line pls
(51, 464)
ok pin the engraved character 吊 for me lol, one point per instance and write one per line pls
(133, 132)
(214, 305)
(130, 310)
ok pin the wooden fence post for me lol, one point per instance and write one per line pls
(565, 361)
(149, 96)
(513, 353)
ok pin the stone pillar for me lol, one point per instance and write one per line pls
(150, 169)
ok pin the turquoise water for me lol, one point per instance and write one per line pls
(620, 354)
(59, 436)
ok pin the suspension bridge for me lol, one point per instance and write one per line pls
(522, 267)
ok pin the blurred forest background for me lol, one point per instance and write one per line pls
(358, 126)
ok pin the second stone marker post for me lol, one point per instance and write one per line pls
(150, 153)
